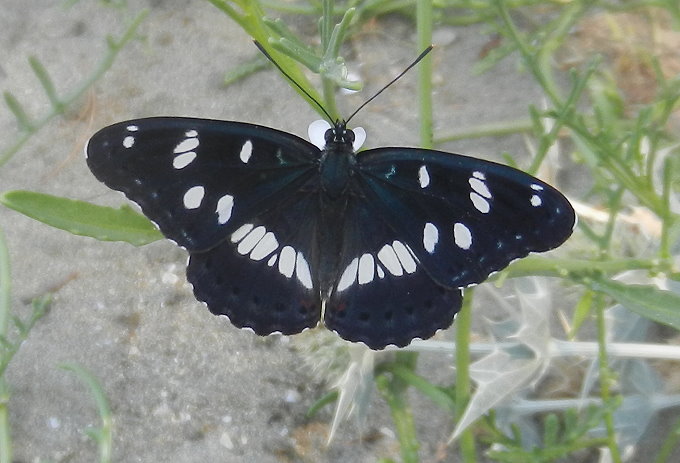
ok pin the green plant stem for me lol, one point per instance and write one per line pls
(424, 27)
(114, 47)
(605, 377)
(669, 444)
(393, 389)
(103, 435)
(544, 266)
(667, 219)
(5, 435)
(615, 207)
(326, 23)
(331, 56)
(329, 88)
(463, 383)
(494, 129)
(5, 288)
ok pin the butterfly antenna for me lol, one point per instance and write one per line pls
(416, 61)
(269, 57)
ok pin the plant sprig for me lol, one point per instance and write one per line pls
(29, 126)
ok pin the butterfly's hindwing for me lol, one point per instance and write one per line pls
(382, 295)
(199, 180)
(462, 217)
(264, 275)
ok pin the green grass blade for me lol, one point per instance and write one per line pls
(45, 80)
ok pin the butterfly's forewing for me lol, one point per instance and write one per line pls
(242, 199)
(383, 295)
(264, 275)
(199, 180)
(463, 218)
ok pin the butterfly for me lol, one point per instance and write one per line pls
(283, 234)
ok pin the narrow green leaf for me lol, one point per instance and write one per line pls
(648, 301)
(338, 35)
(82, 218)
(436, 394)
(242, 71)
(581, 312)
(301, 54)
(328, 398)
(22, 118)
(551, 429)
(281, 29)
(23, 330)
(45, 80)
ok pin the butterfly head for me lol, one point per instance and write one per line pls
(339, 134)
(323, 135)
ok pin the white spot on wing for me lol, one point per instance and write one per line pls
(183, 160)
(128, 141)
(272, 260)
(381, 272)
(287, 261)
(241, 232)
(536, 200)
(246, 152)
(479, 175)
(349, 276)
(423, 177)
(224, 207)
(187, 144)
(250, 241)
(537, 187)
(264, 247)
(132, 128)
(389, 259)
(302, 271)
(481, 204)
(430, 237)
(191, 133)
(366, 269)
(462, 236)
(194, 197)
(480, 187)
(405, 256)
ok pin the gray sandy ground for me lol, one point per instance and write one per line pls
(183, 384)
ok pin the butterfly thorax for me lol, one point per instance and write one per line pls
(337, 160)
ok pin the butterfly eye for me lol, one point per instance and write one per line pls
(349, 136)
(329, 135)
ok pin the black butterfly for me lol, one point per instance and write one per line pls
(282, 234)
